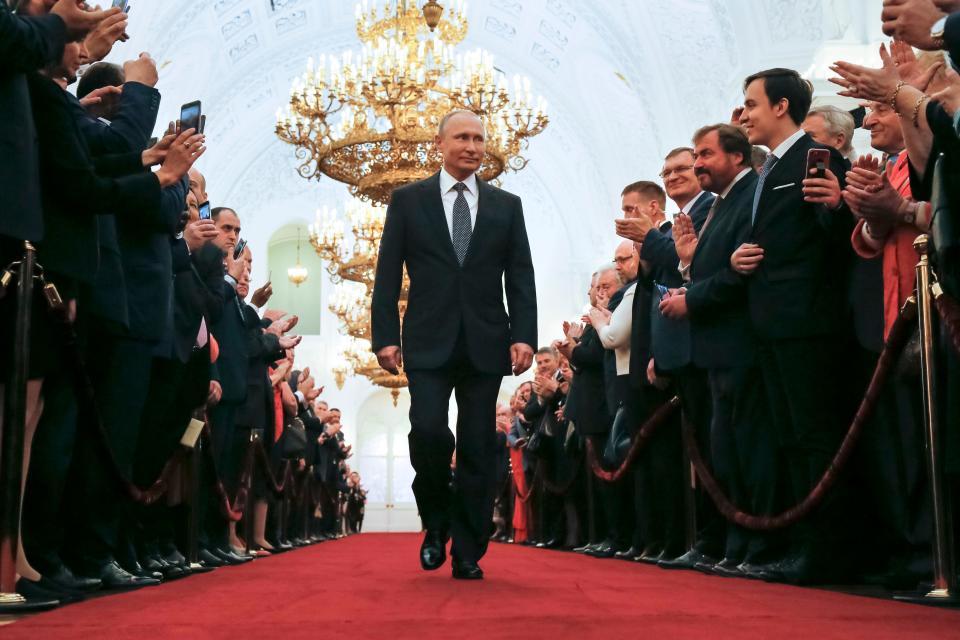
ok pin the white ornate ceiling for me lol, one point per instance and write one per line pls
(626, 80)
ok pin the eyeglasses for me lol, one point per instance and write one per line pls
(666, 173)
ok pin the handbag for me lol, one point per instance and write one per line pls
(293, 440)
(535, 441)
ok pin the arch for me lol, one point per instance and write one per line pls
(305, 301)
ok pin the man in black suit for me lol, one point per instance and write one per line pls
(456, 334)
(742, 449)
(794, 263)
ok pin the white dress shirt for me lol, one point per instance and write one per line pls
(449, 196)
(784, 146)
(616, 335)
(689, 206)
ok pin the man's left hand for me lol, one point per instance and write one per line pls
(521, 357)
(911, 20)
(635, 229)
(825, 190)
(214, 394)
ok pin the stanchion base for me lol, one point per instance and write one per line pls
(935, 597)
(196, 567)
(14, 603)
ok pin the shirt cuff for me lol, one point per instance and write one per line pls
(230, 280)
(300, 396)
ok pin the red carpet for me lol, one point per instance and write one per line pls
(371, 586)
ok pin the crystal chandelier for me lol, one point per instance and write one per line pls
(298, 273)
(369, 119)
(353, 272)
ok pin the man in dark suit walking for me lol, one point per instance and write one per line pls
(461, 240)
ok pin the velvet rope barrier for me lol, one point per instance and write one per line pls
(639, 440)
(525, 497)
(561, 489)
(949, 311)
(226, 505)
(87, 400)
(261, 455)
(899, 334)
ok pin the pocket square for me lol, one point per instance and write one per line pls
(783, 186)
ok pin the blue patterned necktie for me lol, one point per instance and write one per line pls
(764, 171)
(461, 224)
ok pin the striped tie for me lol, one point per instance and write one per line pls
(764, 170)
(461, 224)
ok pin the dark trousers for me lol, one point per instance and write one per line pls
(744, 457)
(467, 509)
(799, 378)
(695, 398)
(226, 467)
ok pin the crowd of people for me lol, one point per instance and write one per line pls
(142, 326)
(763, 304)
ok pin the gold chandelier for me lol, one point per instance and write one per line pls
(353, 272)
(298, 273)
(369, 120)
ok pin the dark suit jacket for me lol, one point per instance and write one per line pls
(445, 298)
(659, 251)
(131, 127)
(721, 334)
(798, 289)
(586, 400)
(74, 190)
(26, 44)
(197, 293)
(264, 349)
(230, 332)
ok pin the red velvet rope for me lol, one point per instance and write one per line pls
(560, 489)
(896, 341)
(648, 428)
(949, 312)
(525, 497)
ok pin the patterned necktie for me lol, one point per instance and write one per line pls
(713, 210)
(764, 170)
(461, 224)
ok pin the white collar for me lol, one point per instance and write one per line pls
(730, 186)
(784, 146)
(687, 207)
(447, 182)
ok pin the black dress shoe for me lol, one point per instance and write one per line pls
(688, 560)
(153, 563)
(64, 579)
(433, 551)
(650, 555)
(230, 557)
(466, 570)
(114, 577)
(210, 559)
(769, 572)
(603, 550)
(552, 543)
(174, 557)
(35, 591)
(585, 548)
(727, 568)
(627, 554)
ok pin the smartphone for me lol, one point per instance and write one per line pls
(661, 290)
(121, 3)
(817, 162)
(203, 123)
(205, 210)
(238, 250)
(190, 116)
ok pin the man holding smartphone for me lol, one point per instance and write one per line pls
(794, 260)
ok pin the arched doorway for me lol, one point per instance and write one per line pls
(383, 460)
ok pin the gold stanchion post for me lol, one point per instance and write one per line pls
(944, 574)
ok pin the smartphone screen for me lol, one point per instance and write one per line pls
(817, 160)
(661, 290)
(203, 123)
(190, 116)
(205, 211)
(122, 4)
(238, 250)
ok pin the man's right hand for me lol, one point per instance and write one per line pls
(198, 233)
(746, 258)
(390, 359)
(142, 70)
(100, 41)
(262, 295)
(635, 229)
(78, 20)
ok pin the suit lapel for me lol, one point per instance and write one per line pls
(745, 182)
(787, 168)
(432, 202)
